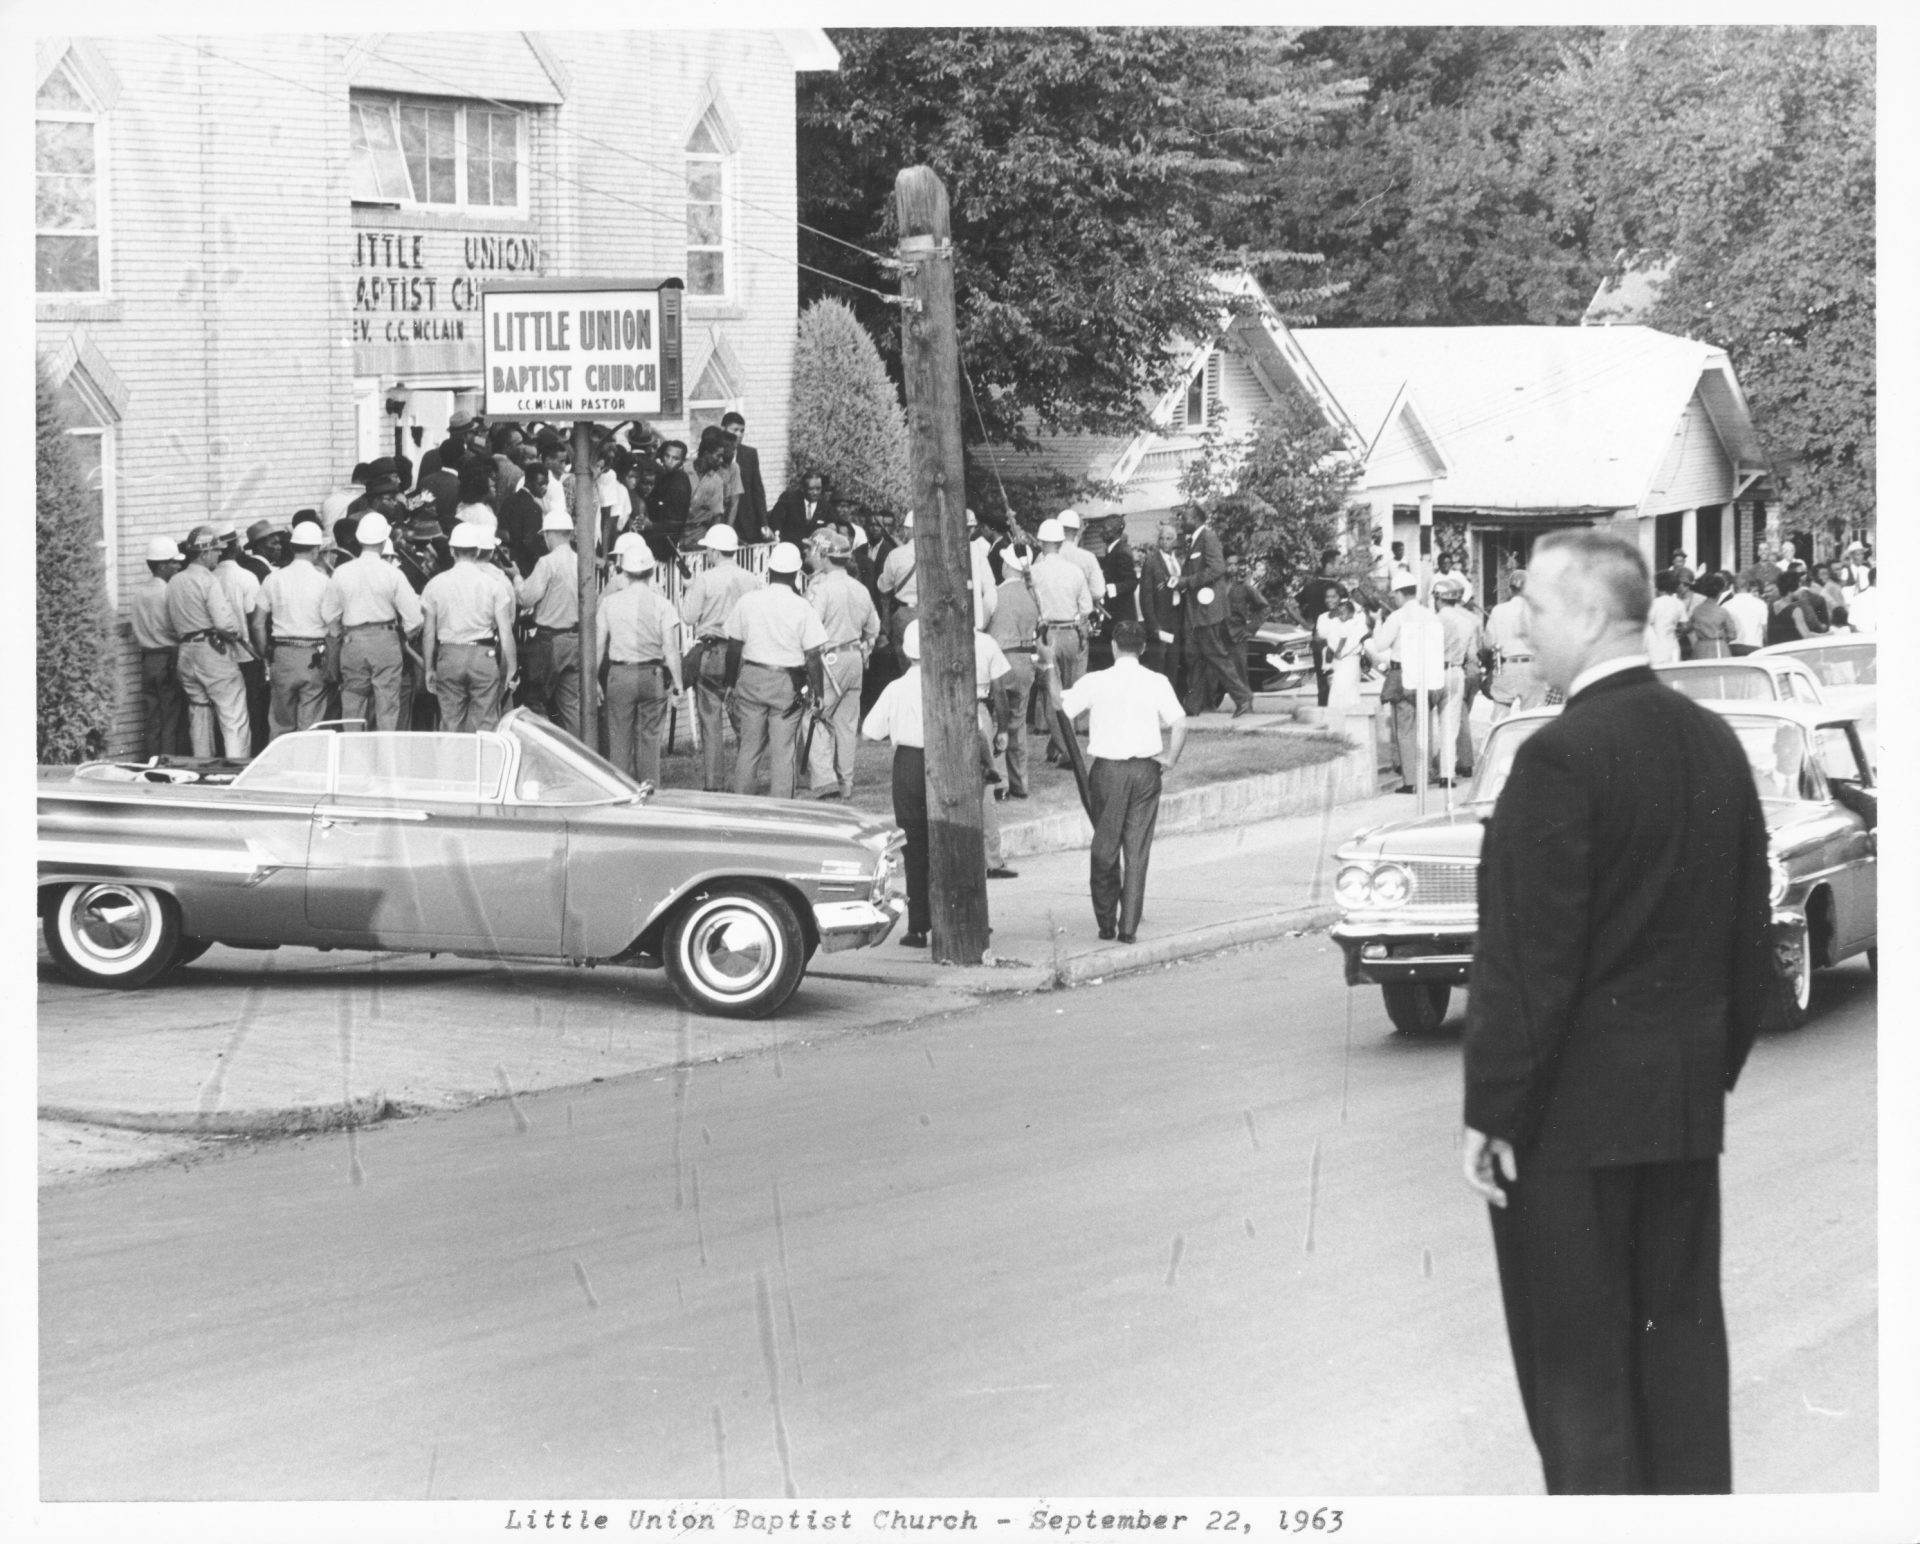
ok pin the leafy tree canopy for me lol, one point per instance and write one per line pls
(1091, 172)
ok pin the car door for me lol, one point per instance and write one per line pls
(414, 848)
(1856, 883)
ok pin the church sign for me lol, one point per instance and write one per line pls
(605, 349)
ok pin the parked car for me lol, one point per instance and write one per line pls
(1407, 890)
(1279, 657)
(1745, 678)
(1847, 665)
(515, 843)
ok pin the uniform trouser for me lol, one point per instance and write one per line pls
(769, 709)
(989, 805)
(1446, 745)
(466, 682)
(253, 673)
(1070, 659)
(830, 756)
(910, 815)
(163, 706)
(1126, 803)
(1212, 667)
(213, 686)
(1516, 686)
(1406, 732)
(553, 678)
(370, 670)
(1019, 687)
(710, 702)
(636, 713)
(1611, 1282)
(298, 688)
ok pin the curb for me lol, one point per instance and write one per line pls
(298, 1120)
(1101, 963)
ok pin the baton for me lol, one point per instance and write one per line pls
(1076, 757)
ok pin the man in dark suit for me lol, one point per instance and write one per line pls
(1211, 664)
(1618, 980)
(1159, 599)
(801, 510)
(750, 519)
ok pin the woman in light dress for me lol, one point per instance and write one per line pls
(1341, 628)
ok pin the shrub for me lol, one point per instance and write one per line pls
(75, 627)
(846, 418)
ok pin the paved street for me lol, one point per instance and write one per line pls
(1180, 1233)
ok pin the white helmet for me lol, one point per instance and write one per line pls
(784, 559)
(557, 520)
(465, 538)
(910, 640)
(372, 530)
(1069, 519)
(1018, 558)
(721, 538)
(161, 550)
(625, 542)
(637, 559)
(1050, 530)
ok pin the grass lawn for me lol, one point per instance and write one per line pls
(1208, 758)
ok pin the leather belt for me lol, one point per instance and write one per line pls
(845, 643)
(642, 664)
(361, 627)
(201, 636)
(1515, 659)
(305, 643)
(165, 648)
(541, 627)
(1017, 648)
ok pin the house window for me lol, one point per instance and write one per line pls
(68, 169)
(713, 396)
(436, 154)
(709, 209)
(90, 430)
(1203, 395)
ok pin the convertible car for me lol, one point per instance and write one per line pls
(516, 843)
(1408, 897)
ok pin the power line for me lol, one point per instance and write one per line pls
(551, 176)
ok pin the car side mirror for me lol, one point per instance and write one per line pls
(1864, 802)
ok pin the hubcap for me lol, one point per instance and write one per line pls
(110, 924)
(733, 949)
(1795, 966)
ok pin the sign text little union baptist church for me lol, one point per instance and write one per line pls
(605, 349)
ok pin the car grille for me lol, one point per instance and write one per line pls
(1442, 884)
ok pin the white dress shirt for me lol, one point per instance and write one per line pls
(1127, 707)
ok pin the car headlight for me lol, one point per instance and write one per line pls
(1392, 885)
(1353, 886)
(1781, 882)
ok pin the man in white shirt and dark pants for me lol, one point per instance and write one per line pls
(1127, 707)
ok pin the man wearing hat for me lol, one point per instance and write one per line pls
(1461, 630)
(705, 605)
(1066, 608)
(1016, 629)
(1517, 683)
(898, 714)
(243, 589)
(383, 489)
(290, 633)
(467, 635)
(852, 628)
(163, 708)
(639, 635)
(266, 547)
(551, 596)
(201, 613)
(775, 643)
(1071, 529)
(1212, 664)
(1412, 645)
(899, 582)
(370, 610)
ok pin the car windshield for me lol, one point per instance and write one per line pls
(1850, 664)
(294, 763)
(1777, 752)
(1726, 683)
(555, 768)
(1497, 760)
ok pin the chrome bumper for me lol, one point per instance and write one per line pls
(1404, 952)
(856, 924)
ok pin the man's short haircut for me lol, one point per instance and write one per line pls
(476, 481)
(679, 445)
(1666, 582)
(733, 418)
(1609, 567)
(1711, 585)
(1129, 638)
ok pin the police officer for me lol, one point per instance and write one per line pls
(899, 715)
(551, 595)
(467, 638)
(201, 613)
(370, 610)
(852, 625)
(705, 605)
(1066, 604)
(163, 706)
(775, 641)
(243, 589)
(290, 633)
(639, 638)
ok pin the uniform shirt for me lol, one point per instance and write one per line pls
(709, 599)
(638, 626)
(1128, 706)
(369, 589)
(844, 607)
(989, 665)
(1016, 619)
(900, 575)
(552, 591)
(1462, 634)
(1061, 588)
(147, 612)
(1090, 570)
(1507, 632)
(776, 627)
(986, 593)
(197, 601)
(1413, 639)
(467, 606)
(291, 598)
(610, 492)
(243, 589)
(1863, 616)
(898, 713)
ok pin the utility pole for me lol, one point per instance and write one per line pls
(930, 355)
(586, 546)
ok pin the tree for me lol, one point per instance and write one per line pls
(846, 419)
(1279, 494)
(74, 626)
(1090, 170)
(1742, 159)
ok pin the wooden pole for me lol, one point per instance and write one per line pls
(586, 543)
(1423, 700)
(930, 355)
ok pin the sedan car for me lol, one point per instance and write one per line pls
(1847, 665)
(514, 843)
(1746, 678)
(1407, 890)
